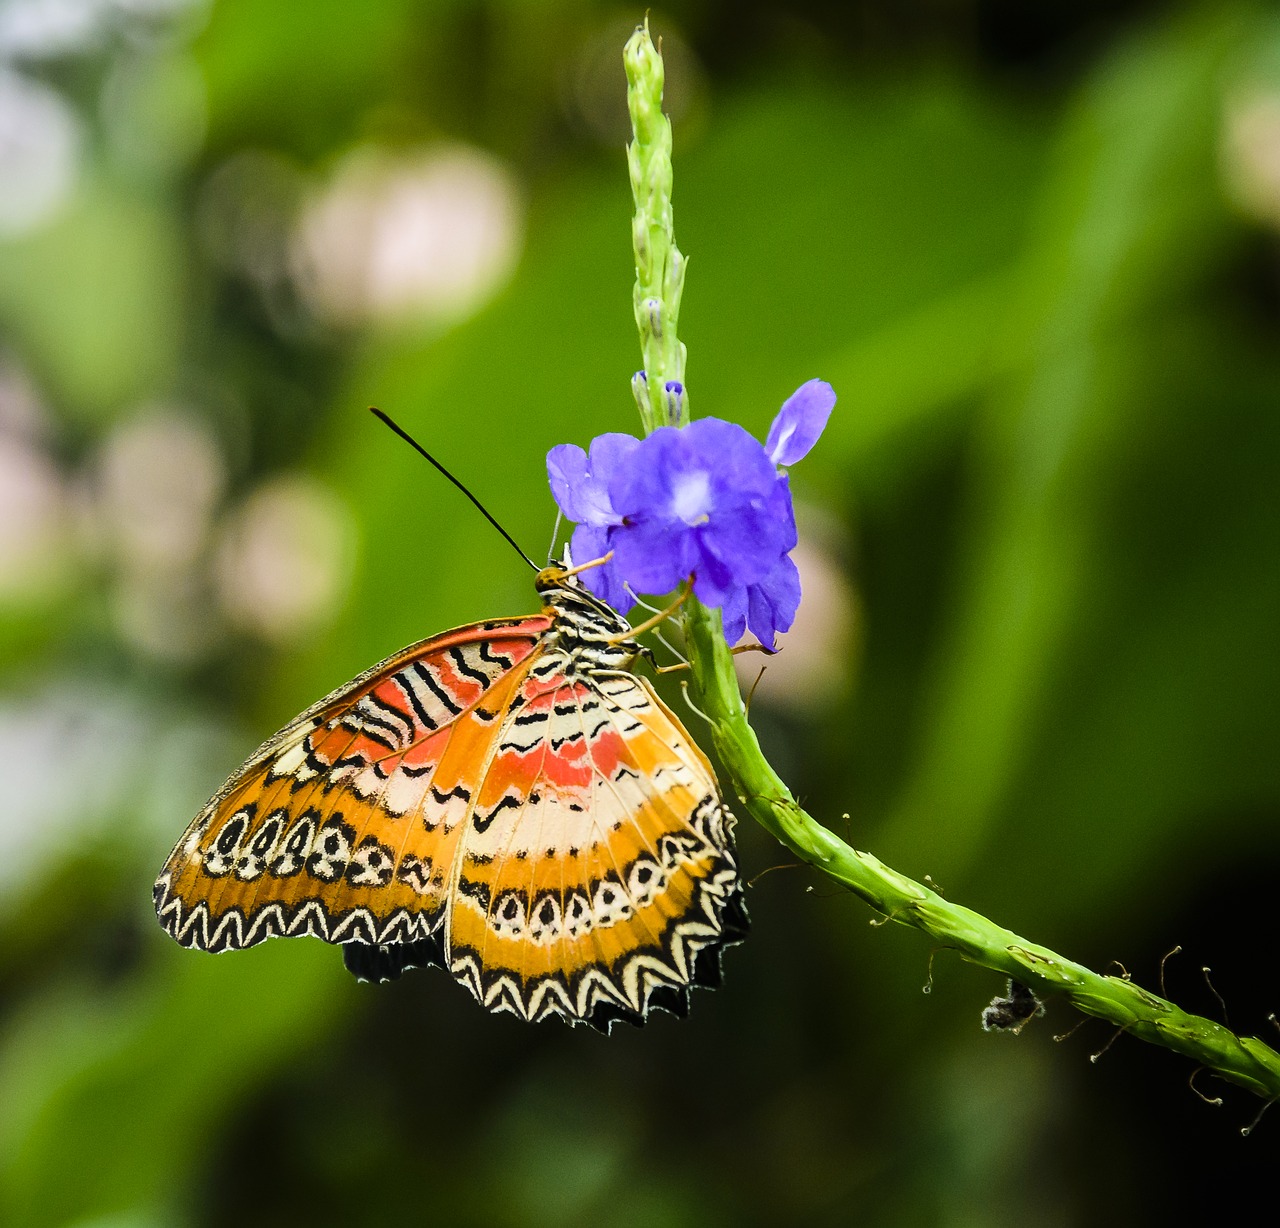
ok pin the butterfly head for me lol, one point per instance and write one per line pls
(585, 623)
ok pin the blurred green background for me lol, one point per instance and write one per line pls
(1034, 247)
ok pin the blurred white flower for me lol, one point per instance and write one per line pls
(1251, 153)
(34, 28)
(37, 29)
(284, 558)
(160, 476)
(149, 511)
(39, 154)
(396, 238)
(82, 762)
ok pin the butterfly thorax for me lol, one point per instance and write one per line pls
(591, 634)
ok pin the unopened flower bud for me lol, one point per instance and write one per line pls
(640, 390)
(673, 402)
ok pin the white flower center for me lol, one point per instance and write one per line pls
(691, 498)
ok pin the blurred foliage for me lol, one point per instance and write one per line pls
(1037, 257)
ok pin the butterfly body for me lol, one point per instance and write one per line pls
(508, 800)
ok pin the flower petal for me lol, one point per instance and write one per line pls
(609, 452)
(567, 472)
(713, 578)
(580, 483)
(772, 604)
(740, 468)
(606, 581)
(801, 420)
(733, 613)
(653, 556)
(644, 489)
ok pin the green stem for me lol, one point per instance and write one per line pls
(659, 388)
(758, 789)
(1246, 1061)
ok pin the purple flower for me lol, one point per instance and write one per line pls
(704, 502)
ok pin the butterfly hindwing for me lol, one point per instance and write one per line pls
(593, 893)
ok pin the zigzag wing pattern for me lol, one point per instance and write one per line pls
(597, 878)
(344, 825)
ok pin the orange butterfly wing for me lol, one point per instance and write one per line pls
(342, 825)
(548, 833)
(597, 878)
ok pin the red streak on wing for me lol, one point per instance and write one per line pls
(463, 690)
(565, 773)
(608, 750)
(423, 753)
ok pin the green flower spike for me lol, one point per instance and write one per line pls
(659, 386)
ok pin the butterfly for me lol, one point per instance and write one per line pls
(509, 801)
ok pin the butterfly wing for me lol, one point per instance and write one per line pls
(597, 878)
(343, 825)
(549, 834)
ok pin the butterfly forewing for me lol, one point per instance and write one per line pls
(496, 800)
(342, 825)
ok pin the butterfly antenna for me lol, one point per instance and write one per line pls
(484, 511)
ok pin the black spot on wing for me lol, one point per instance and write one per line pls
(441, 798)
(367, 726)
(520, 748)
(474, 889)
